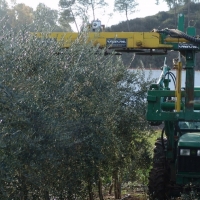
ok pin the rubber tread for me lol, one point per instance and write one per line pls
(159, 176)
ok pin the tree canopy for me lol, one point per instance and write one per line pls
(125, 6)
(173, 3)
(70, 119)
(20, 15)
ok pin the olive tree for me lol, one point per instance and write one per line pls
(70, 118)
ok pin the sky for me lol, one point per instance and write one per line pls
(145, 8)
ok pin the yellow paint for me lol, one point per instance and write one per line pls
(178, 87)
(135, 40)
(175, 40)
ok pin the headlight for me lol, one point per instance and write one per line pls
(186, 152)
(198, 152)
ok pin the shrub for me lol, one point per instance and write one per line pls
(66, 116)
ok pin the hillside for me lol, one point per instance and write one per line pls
(159, 21)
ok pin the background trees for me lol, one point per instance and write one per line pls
(92, 5)
(20, 15)
(80, 9)
(176, 4)
(69, 12)
(161, 20)
(125, 6)
(172, 3)
(46, 18)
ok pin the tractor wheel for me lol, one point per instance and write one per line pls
(152, 175)
(159, 153)
(158, 184)
(159, 175)
(161, 191)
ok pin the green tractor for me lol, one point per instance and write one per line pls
(176, 162)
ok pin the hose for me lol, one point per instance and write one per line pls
(172, 76)
(178, 34)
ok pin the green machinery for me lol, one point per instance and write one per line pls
(176, 162)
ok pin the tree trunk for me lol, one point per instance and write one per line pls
(90, 192)
(24, 190)
(93, 11)
(100, 189)
(117, 185)
(127, 20)
(119, 189)
(46, 195)
(110, 189)
(74, 19)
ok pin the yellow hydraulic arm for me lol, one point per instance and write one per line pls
(121, 41)
(143, 40)
(154, 42)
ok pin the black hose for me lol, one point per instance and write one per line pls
(172, 76)
(178, 34)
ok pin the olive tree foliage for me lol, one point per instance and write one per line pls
(69, 118)
(125, 6)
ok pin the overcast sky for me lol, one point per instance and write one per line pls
(145, 8)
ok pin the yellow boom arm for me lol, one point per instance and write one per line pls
(114, 40)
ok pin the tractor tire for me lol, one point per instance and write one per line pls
(152, 175)
(159, 175)
(158, 184)
(161, 191)
(159, 153)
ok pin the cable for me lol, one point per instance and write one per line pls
(172, 76)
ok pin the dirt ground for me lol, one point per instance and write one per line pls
(131, 196)
(128, 193)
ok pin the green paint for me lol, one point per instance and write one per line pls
(190, 140)
(181, 22)
(191, 31)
